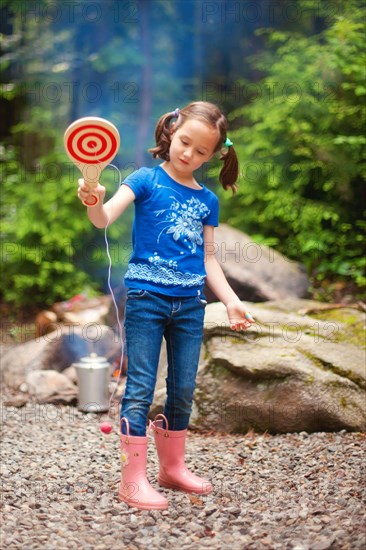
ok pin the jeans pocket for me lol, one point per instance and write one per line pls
(201, 301)
(135, 294)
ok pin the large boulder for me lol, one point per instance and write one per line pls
(256, 272)
(289, 372)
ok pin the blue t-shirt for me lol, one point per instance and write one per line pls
(167, 233)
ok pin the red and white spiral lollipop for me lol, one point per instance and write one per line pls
(91, 143)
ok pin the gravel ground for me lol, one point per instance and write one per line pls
(60, 478)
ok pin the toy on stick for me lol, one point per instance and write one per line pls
(91, 143)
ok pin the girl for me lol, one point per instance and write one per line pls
(172, 258)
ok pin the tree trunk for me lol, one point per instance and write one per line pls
(143, 129)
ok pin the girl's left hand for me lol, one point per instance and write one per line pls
(239, 317)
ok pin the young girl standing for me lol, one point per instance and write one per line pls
(172, 258)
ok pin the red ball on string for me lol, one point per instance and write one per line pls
(105, 427)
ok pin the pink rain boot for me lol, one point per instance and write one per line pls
(134, 488)
(173, 472)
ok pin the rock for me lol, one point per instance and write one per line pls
(45, 322)
(256, 272)
(71, 374)
(160, 387)
(323, 544)
(18, 400)
(50, 386)
(81, 310)
(57, 350)
(288, 373)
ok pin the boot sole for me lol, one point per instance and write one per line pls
(169, 485)
(141, 506)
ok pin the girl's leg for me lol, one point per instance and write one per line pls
(144, 327)
(183, 336)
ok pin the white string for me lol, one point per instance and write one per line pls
(113, 296)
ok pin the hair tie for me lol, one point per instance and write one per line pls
(175, 113)
(228, 142)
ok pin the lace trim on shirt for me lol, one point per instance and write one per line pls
(162, 275)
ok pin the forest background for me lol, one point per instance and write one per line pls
(290, 75)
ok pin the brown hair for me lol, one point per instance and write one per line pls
(211, 115)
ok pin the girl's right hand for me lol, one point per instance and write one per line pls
(85, 193)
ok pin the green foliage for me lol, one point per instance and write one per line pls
(301, 147)
(49, 249)
(37, 236)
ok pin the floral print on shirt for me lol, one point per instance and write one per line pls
(184, 221)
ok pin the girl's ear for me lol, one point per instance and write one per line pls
(172, 130)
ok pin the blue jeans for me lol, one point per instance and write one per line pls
(148, 318)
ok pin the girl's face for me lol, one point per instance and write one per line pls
(192, 144)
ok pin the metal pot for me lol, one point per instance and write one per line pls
(93, 374)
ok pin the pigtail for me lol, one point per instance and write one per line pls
(163, 136)
(230, 171)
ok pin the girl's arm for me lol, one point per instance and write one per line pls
(102, 215)
(239, 317)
